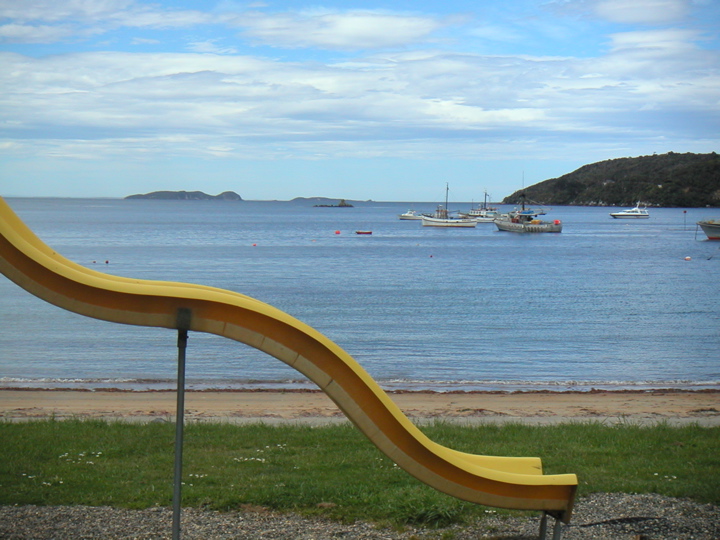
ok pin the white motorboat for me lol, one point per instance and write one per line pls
(711, 227)
(639, 212)
(410, 214)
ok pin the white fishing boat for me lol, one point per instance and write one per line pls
(442, 218)
(487, 216)
(449, 221)
(525, 220)
(711, 227)
(639, 212)
(483, 213)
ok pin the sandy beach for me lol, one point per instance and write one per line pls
(674, 407)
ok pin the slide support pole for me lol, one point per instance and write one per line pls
(557, 529)
(183, 324)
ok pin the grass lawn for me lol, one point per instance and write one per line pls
(331, 470)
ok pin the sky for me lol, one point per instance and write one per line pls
(388, 101)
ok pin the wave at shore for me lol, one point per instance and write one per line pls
(395, 385)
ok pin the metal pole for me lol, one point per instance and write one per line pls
(543, 526)
(183, 325)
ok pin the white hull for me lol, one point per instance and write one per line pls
(442, 217)
(487, 219)
(622, 215)
(528, 227)
(711, 228)
(447, 222)
(639, 212)
(484, 216)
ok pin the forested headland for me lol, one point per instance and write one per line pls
(669, 180)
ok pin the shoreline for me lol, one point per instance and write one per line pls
(675, 407)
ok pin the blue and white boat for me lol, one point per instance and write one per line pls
(525, 220)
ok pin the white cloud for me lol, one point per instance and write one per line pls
(497, 33)
(151, 17)
(420, 102)
(52, 10)
(145, 41)
(656, 42)
(405, 104)
(48, 21)
(642, 11)
(26, 33)
(348, 30)
(210, 46)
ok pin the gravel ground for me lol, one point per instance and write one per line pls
(599, 516)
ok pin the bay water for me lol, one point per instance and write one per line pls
(606, 304)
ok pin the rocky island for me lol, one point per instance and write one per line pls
(341, 204)
(187, 196)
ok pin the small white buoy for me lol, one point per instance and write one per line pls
(688, 258)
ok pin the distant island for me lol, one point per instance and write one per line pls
(666, 180)
(187, 196)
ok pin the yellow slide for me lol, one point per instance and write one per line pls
(507, 482)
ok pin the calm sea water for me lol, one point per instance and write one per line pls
(605, 304)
